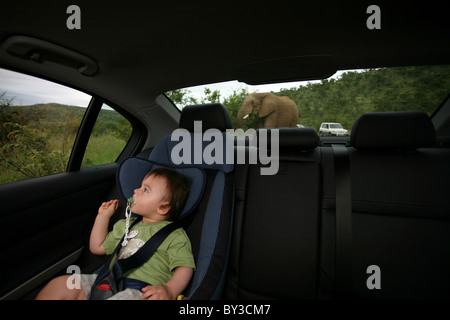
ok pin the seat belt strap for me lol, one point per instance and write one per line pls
(344, 236)
(149, 248)
(104, 269)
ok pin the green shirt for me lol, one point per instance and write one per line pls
(175, 251)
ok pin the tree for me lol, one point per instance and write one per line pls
(234, 102)
(210, 96)
(181, 97)
(25, 150)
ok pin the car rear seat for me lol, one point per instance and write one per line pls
(284, 233)
(400, 209)
(275, 247)
(283, 236)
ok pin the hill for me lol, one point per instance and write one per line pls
(375, 90)
(37, 140)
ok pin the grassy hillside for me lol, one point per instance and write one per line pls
(37, 140)
(376, 90)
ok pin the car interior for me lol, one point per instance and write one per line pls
(358, 216)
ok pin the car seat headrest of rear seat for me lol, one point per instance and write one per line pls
(297, 138)
(212, 115)
(404, 130)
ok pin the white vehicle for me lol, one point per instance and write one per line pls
(332, 129)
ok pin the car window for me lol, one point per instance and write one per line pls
(109, 137)
(339, 99)
(39, 123)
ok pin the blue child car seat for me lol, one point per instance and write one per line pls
(210, 201)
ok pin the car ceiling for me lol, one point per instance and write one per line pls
(144, 48)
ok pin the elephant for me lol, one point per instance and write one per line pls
(273, 111)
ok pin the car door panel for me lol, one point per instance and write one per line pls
(46, 219)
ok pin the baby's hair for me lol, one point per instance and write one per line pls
(178, 187)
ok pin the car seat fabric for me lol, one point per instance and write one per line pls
(275, 251)
(212, 115)
(406, 130)
(400, 206)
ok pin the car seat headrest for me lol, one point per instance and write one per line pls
(132, 171)
(294, 138)
(212, 115)
(208, 151)
(404, 130)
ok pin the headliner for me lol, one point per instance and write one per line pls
(144, 49)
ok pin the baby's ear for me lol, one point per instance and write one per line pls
(164, 208)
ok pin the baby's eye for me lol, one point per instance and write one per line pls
(145, 190)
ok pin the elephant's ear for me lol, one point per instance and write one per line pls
(268, 105)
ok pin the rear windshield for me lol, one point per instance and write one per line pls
(338, 100)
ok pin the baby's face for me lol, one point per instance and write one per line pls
(151, 197)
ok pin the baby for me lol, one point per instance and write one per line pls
(166, 274)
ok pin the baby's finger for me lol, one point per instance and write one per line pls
(148, 292)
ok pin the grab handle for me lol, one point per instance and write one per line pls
(39, 51)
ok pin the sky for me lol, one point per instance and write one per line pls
(227, 88)
(27, 90)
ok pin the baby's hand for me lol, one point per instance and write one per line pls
(159, 292)
(108, 208)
